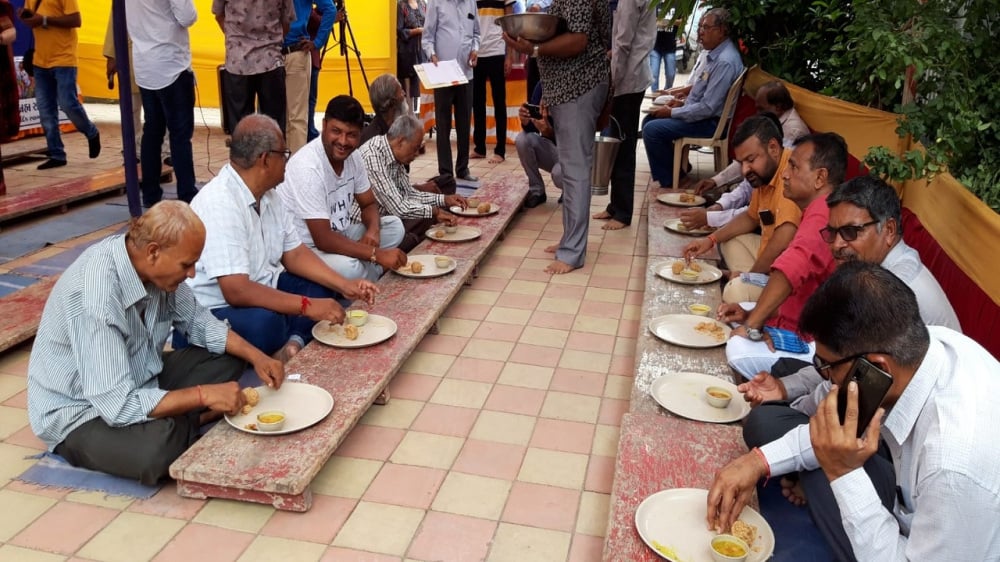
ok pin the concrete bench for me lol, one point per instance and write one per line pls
(227, 463)
(22, 311)
(659, 450)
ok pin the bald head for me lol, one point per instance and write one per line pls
(254, 135)
(165, 224)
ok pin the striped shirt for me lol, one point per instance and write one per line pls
(490, 35)
(391, 184)
(94, 356)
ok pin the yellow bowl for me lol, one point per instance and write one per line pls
(727, 548)
(272, 420)
(718, 397)
(442, 261)
(700, 309)
(357, 317)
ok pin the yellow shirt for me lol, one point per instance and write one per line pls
(772, 197)
(55, 46)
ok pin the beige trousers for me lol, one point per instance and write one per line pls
(298, 68)
(740, 253)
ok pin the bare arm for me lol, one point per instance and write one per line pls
(775, 292)
(240, 291)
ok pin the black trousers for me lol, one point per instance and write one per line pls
(531, 75)
(625, 109)
(144, 451)
(243, 95)
(489, 68)
(460, 98)
(771, 420)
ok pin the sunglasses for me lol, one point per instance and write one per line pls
(822, 364)
(848, 232)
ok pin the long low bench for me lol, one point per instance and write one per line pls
(231, 464)
(22, 311)
(659, 450)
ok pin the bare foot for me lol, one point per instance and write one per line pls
(602, 216)
(793, 492)
(287, 351)
(495, 159)
(476, 156)
(551, 249)
(614, 225)
(559, 268)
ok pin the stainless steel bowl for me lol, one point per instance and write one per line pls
(533, 27)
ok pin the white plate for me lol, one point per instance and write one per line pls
(472, 212)
(679, 329)
(376, 330)
(674, 199)
(676, 519)
(304, 405)
(708, 274)
(684, 395)
(463, 234)
(676, 226)
(430, 266)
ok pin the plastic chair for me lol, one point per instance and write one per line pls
(719, 142)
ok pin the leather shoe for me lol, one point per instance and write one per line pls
(51, 163)
(94, 144)
(468, 177)
(534, 200)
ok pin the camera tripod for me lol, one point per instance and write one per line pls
(345, 49)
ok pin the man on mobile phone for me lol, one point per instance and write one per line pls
(536, 149)
(920, 484)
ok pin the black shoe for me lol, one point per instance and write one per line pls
(468, 177)
(51, 163)
(534, 200)
(95, 145)
(168, 161)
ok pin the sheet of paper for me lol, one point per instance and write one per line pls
(445, 73)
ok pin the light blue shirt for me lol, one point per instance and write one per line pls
(711, 82)
(95, 356)
(451, 31)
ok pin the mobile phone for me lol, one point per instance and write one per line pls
(873, 384)
(766, 217)
(534, 111)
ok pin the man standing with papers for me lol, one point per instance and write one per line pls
(451, 32)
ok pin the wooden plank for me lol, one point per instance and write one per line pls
(277, 470)
(22, 311)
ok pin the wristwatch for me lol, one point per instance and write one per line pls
(755, 334)
(45, 22)
(534, 50)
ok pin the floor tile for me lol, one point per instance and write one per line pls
(204, 542)
(461, 393)
(99, 499)
(370, 442)
(486, 458)
(515, 316)
(560, 435)
(456, 326)
(524, 375)
(586, 549)
(231, 514)
(345, 477)
(427, 449)
(555, 468)
(445, 420)
(513, 300)
(410, 486)
(375, 527)
(469, 368)
(563, 305)
(553, 320)
(502, 427)
(14, 460)
(600, 474)
(467, 311)
(622, 366)
(77, 524)
(35, 490)
(319, 525)
(11, 385)
(487, 283)
(518, 543)
(606, 440)
(166, 503)
(593, 517)
(131, 536)
(473, 296)
(25, 437)
(571, 407)
(19, 510)
(583, 341)
(595, 324)
(269, 549)
(425, 363)
(533, 288)
(335, 554)
(548, 507)
(536, 355)
(445, 345)
(488, 349)
(498, 331)
(515, 400)
(585, 361)
(546, 337)
(578, 382)
(618, 387)
(397, 413)
(612, 411)
(412, 386)
(10, 553)
(475, 496)
(452, 538)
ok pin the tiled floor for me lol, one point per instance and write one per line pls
(498, 443)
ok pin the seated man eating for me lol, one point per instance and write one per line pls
(101, 391)
(386, 158)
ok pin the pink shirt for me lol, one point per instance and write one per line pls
(806, 263)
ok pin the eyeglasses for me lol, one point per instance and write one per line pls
(702, 26)
(286, 153)
(822, 364)
(848, 232)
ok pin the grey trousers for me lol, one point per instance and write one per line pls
(538, 153)
(575, 122)
(144, 451)
(771, 420)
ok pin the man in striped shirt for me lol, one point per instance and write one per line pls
(101, 391)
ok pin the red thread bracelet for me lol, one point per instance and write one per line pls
(305, 304)
(764, 460)
(714, 241)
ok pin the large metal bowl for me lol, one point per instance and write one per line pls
(533, 27)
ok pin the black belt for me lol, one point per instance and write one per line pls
(293, 48)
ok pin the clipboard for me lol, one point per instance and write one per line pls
(446, 73)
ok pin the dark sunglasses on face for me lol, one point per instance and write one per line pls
(849, 232)
(822, 364)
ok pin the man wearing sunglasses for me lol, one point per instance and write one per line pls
(817, 164)
(921, 481)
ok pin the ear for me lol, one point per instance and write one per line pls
(153, 251)
(822, 175)
(892, 230)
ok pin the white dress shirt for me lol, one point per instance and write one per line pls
(238, 240)
(945, 455)
(161, 45)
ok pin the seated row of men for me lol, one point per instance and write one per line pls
(273, 244)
